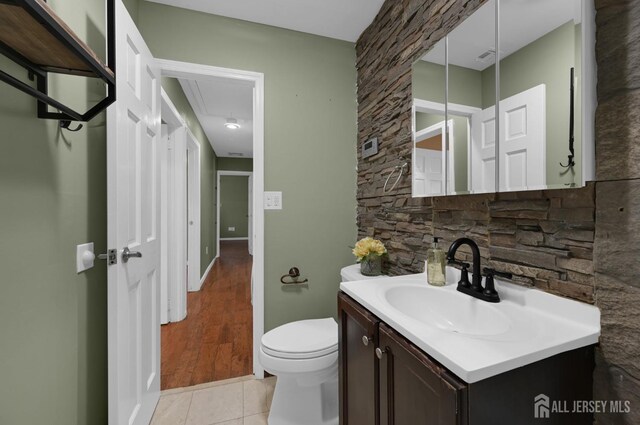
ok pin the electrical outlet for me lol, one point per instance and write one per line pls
(206, 249)
(231, 229)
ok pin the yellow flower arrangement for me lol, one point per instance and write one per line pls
(367, 247)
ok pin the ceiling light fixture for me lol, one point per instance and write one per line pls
(232, 124)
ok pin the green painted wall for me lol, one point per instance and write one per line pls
(310, 143)
(235, 164)
(428, 80)
(234, 206)
(132, 7)
(208, 168)
(53, 322)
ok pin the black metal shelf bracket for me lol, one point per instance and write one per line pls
(40, 73)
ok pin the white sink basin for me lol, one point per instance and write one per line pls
(448, 310)
(476, 339)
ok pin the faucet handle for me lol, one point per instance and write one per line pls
(489, 290)
(464, 276)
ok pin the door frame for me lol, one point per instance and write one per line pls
(177, 69)
(169, 115)
(225, 173)
(194, 281)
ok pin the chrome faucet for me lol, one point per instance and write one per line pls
(474, 288)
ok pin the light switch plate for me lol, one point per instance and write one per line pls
(231, 229)
(84, 257)
(272, 200)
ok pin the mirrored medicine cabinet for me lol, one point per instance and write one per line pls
(540, 135)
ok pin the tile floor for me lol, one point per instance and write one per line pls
(237, 401)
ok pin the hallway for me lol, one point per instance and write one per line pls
(214, 342)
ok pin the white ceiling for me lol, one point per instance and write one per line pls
(216, 99)
(341, 19)
(521, 22)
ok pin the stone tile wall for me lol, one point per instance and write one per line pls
(579, 243)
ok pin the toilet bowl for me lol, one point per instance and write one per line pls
(304, 357)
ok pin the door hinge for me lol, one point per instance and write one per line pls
(111, 256)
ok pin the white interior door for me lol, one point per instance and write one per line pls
(523, 141)
(419, 173)
(250, 215)
(522, 144)
(483, 151)
(430, 160)
(133, 134)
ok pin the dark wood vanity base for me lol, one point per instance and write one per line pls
(386, 380)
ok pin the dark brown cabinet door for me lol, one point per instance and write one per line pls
(414, 390)
(358, 336)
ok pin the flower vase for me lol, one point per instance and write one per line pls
(371, 266)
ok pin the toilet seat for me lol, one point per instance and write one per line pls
(305, 339)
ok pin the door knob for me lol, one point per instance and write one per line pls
(126, 254)
(380, 352)
(366, 340)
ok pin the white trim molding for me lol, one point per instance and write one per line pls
(234, 239)
(206, 272)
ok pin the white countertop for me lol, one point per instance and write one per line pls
(528, 325)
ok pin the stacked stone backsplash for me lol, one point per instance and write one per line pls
(579, 243)
(545, 238)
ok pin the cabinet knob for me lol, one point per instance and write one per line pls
(380, 352)
(366, 340)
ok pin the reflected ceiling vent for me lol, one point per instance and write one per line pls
(236, 154)
(487, 56)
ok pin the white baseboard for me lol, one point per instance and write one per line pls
(206, 272)
(234, 239)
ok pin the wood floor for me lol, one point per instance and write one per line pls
(214, 342)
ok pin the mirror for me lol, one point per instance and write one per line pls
(430, 156)
(540, 61)
(464, 147)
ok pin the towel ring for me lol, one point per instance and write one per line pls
(396, 168)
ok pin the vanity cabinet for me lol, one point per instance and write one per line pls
(358, 338)
(386, 380)
(413, 388)
(394, 385)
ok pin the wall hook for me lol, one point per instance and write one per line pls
(66, 124)
(570, 162)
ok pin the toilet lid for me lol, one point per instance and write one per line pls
(304, 339)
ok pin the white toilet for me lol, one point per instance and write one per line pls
(304, 357)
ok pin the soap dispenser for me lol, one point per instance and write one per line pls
(436, 263)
